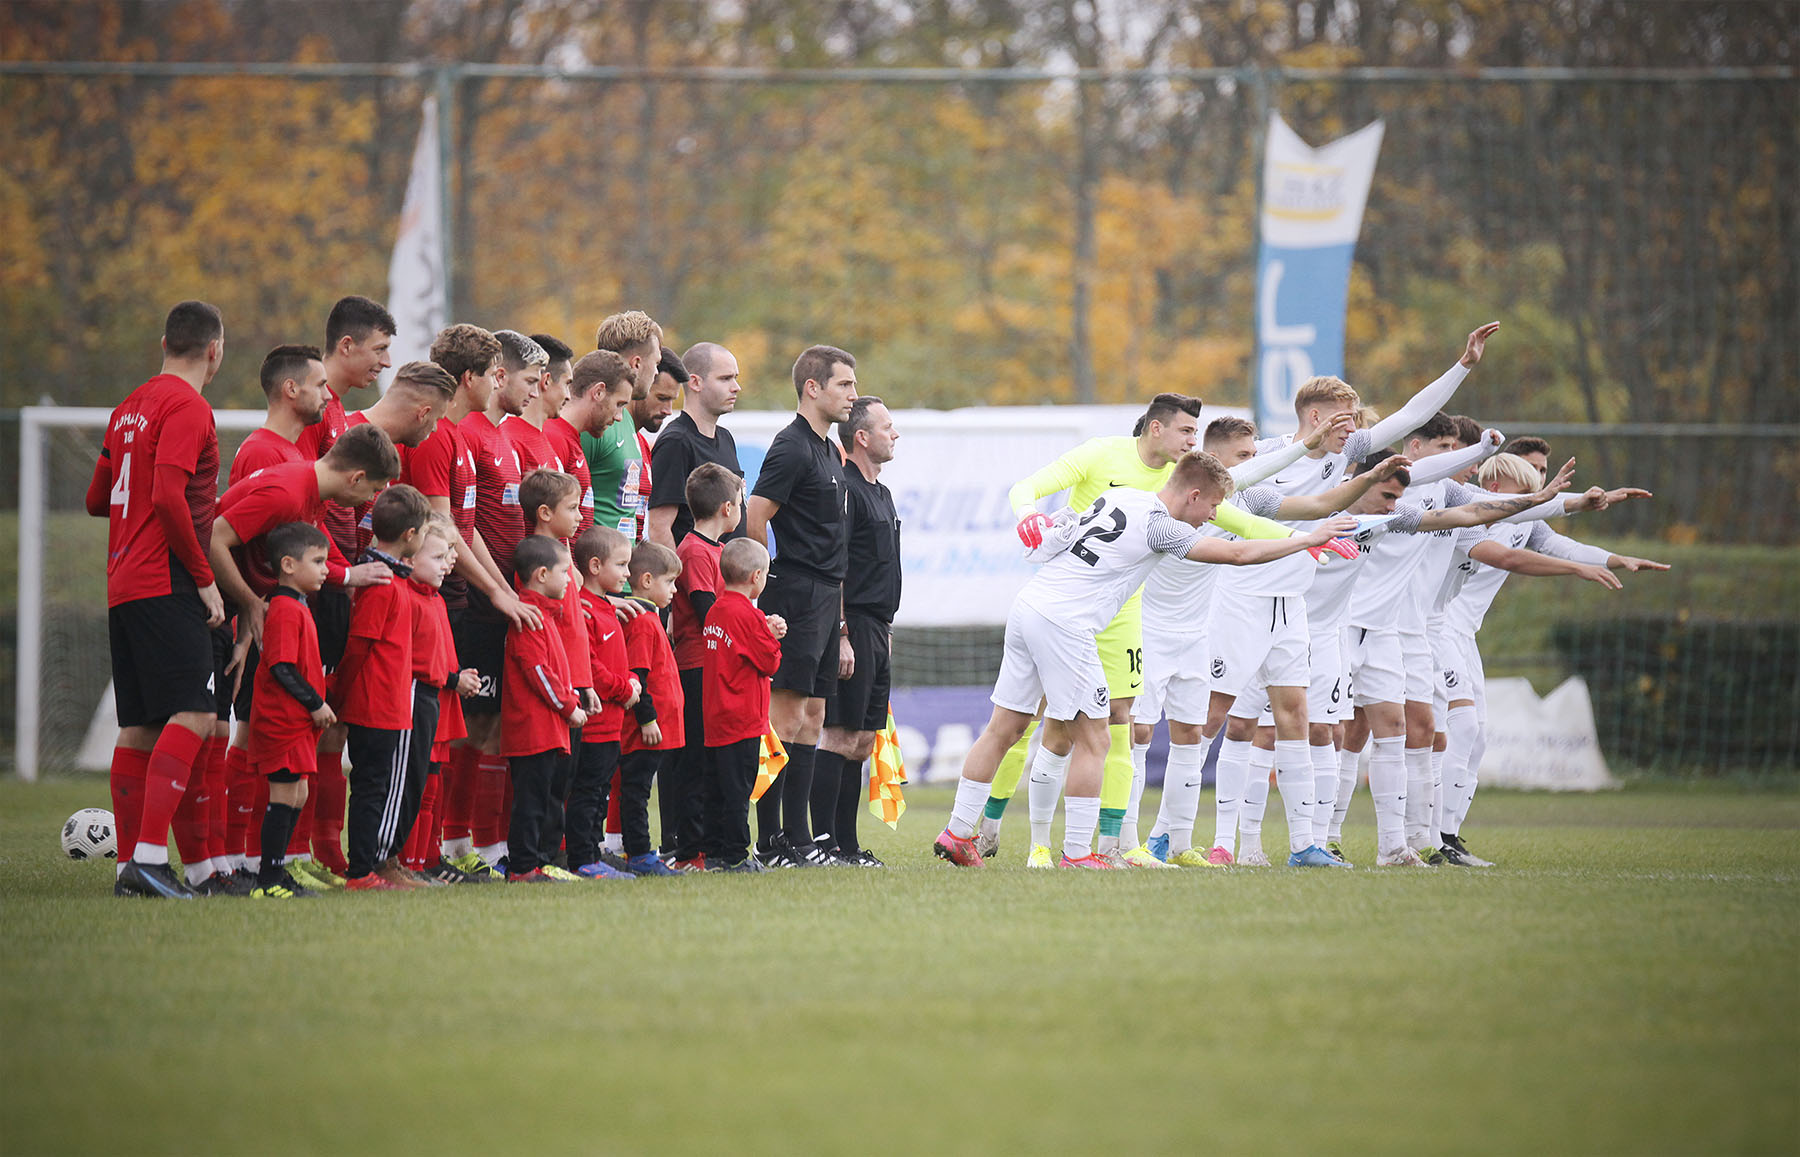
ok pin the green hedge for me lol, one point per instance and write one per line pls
(1670, 690)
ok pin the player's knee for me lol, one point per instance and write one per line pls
(1239, 730)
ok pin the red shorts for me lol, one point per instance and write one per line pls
(301, 758)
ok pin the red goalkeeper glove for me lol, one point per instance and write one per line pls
(1338, 546)
(1031, 529)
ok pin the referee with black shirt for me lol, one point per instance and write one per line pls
(692, 438)
(871, 597)
(802, 493)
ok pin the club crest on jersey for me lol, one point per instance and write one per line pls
(1449, 677)
(1329, 467)
(1218, 668)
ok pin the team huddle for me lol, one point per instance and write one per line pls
(479, 591)
(1310, 596)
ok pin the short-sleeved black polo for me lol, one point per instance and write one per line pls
(804, 474)
(872, 580)
(679, 448)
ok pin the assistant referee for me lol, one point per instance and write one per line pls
(801, 491)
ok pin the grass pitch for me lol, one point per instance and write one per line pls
(1625, 982)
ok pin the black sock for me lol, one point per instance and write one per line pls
(768, 815)
(278, 829)
(849, 805)
(795, 786)
(827, 775)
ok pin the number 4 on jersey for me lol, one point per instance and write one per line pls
(121, 491)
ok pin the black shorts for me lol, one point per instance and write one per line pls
(809, 650)
(162, 659)
(861, 702)
(331, 615)
(222, 642)
(481, 644)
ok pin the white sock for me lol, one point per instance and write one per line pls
(1042, 792)
(1465, 728)
(613, 842)
(491, 853)
(1325, 791)
(1387, 787)
(1438, 759)
(1418, 795)
(458, 848)
(1181, 795)
(1294, 777)
(146, 853)
(1081, 815)
(1349, 763)
(989, 827)
(1232, 774)
(971, 797)
(1471, 778)
(198, 873)
(1128, 832)
(1256, 800)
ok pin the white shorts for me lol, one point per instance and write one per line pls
(1421, 666)
(1175, 681)
(1043, 660)
(1460, 673)
(1376, 665)
(1257, 641)
(1327, 697)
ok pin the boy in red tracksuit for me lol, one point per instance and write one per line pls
(289, 709)
(654, 569)
(537, 707)
(743, 651)
(438, 684)
(602, 560)
(551, 501)
(373, 695)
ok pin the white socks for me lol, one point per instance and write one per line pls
(198, 873)
(1081, 815)
(1325, 791)
(1256, 798)
(150, 853)
(1181, 795)
(1042, 790)
(1387, 787)
(1348, 763)
(1418, 796)
(971, 797)
(1459, 772)
(1128, 831)
(1232, 773)
(458, 848)
(1294, 776)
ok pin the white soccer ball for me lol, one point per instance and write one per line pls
(88, 835)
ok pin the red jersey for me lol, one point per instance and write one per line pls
(742, 654)
(643, 506)
(647, 649)
(443, 466)
(373, 686)
(262, 449)
(314, 442)
(575, 633)
(164, 422)
(536, 697)
(434, 662)
(608, 667)
(497, 475)
(699, 572)
(536, 452)
(282, 735)
(566, 443)
(267, 499)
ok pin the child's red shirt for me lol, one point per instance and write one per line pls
(647, 650)
(741, 656)
(536, 697)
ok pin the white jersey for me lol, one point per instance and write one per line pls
(1293, 575)
(1328, 602)
(1178, 593)
(1470, 588)
(1099, 558)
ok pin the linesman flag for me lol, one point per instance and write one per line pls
(769, 762)
(887, 772)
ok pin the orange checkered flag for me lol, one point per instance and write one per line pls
(769, 762)
(887, 772)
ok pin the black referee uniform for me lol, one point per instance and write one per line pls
(679, 448)
(804, 474)
(871, 598)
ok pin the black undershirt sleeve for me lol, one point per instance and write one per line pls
(645, 709)
(288, 676)
(702, 602)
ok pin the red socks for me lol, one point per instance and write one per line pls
(330, 793)
(490, 815)
(171, 764)
(421, 845)
(457, 800)
(129, 769)
(189, 822)
(241, 810)
(218, 809)
(259, 809)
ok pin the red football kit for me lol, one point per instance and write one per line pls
(535, 449)
(699, 557)
(497, 475)
(282, 735)
(161, 427)
(611, 672)
(443, 466)
(742, 654)
(262, 449)
(566, 444)
(314, 442)
(536, 697)
(647, 651)
(267, 499)
(434, 662)
(373, 685)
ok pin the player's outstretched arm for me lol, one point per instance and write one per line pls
(1432, 398)
(1496, 508)
(1234, 520)
(1249, 553)
(1270, 463)
(1441, 466)
(1306, 507)
(1065, 471)
(1530, 562)
(1599, 498)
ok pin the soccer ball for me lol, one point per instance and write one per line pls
(88, 835)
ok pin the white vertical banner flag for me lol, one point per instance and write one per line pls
(416, 289)
(1312, 210)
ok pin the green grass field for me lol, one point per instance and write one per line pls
(1624, 982)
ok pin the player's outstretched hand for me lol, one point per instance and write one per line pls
(1599, 574)
(1627, 562)
(324, 717)
(214, 604)
(468, 682)
(1031, 529)
(777, 626)
(1478, 342)
(1391, 465)
(1492, 439)
(1624, 494)
(524, 617)
(1557, 484)
(1340, 424)
(368, 574)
